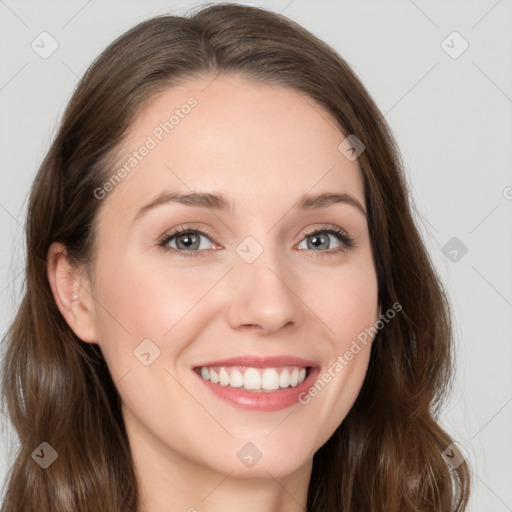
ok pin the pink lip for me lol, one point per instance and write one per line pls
(260, 362)
(262, 401)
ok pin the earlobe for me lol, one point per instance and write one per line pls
(71, 292)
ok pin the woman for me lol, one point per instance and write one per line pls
(228, 304)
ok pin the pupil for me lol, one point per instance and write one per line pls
(188, 241)
(319, 240)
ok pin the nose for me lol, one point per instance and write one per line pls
(262, 295)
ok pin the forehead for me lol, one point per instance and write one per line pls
(257, 143)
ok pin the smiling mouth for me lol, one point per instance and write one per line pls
(263, 380)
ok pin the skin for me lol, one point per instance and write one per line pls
(262, 146)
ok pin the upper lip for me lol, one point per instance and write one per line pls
(260, 361)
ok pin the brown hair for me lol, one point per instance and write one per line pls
(387, 453)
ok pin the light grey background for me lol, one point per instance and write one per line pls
(451, 117)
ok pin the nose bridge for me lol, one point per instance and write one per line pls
(262, 287)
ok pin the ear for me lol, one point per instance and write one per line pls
(72, 293)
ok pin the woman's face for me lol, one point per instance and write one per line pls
(261, 278)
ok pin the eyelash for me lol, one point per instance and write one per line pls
(347, 242)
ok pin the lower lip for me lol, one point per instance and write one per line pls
(262, 401)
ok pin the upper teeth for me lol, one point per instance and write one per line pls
(267, 379)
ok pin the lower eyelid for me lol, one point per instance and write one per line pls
(173, 236)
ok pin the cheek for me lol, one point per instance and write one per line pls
(349, 311)
(143, 301)
(346, 300)
(148, 299)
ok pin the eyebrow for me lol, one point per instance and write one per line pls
(219, 202)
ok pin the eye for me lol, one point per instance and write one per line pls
(321, 239)
(186, 240)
